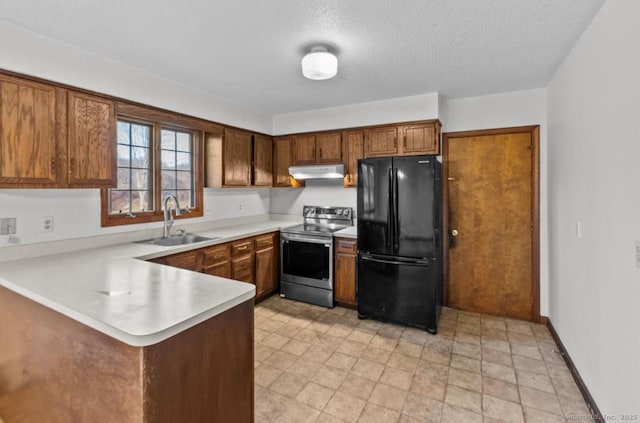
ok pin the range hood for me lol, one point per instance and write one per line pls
(330, 171)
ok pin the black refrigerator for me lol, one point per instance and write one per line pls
(399, 276)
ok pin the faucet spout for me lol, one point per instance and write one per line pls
(168, 216)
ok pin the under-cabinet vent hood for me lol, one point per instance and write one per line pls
(330, 171)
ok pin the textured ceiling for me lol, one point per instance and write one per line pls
(249, 52)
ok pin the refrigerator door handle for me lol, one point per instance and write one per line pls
(396, 262)
(390, 216)
(396, 222)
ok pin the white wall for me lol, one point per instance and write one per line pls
(518, 108)
(593, 118)
(419, 107)
(315, 193)
(76, 212)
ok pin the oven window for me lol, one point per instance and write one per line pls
(305, 259)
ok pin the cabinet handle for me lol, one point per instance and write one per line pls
(242, 248)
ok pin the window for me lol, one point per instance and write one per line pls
(154, 159)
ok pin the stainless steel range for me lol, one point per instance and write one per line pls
(306, 254)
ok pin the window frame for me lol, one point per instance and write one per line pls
(158, 120)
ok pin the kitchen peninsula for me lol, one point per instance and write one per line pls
(104, 335)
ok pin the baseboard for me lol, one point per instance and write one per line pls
(595, 411)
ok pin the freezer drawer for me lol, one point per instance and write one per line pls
(398, 290)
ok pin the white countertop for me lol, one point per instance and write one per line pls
(114, 291)
(350, 232)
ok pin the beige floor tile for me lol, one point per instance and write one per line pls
(422, 408)
(269, 405)
(373, 413)
(551, 356)
(470, 319)
(487, 419)
(264, 375)
(467, 350)
(519, 338)
(495, 324)
(275, 341)
(498, 371)
(502, 410)
(352, 348)
(466, 337)
(314, 395)
(344, 406)
(340, 330)
(567, 388)
(428, 387)
(436, 355)
(261, 352)
(289, 384)
(405, 418)
(535, 381)
(408, 348)
(317, 354)
(268, 324)
(403, 362)
(433, 370)
(341, 361)
(473, 329)
(304, 367)
(500, 389)
(519, 326)
(463, 398)
(357, 386)
(558, 371)
(465, 363)
(530, 351)
(295, 347)
(391, 331)
(280, 359)
(397, 378)
(571, 407)
(539, 400)
(329, 342)
(531, 415)
(319, 326)
(498, 357)
(452, 414)
(361, 336)
(388, 397)
(464, 379)
(288, 330)
(496, 344)
(377, 355)
(329, 376)
(495, 334)
(328, 418)
(297, 412)
(383, 342)
(367, 369)
(529, 364)
(308, 335)
(414, 336)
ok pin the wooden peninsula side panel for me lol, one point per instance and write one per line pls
(54, 369)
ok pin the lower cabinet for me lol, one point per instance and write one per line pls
(252, 260)
(345, 271)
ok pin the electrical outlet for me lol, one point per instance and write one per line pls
(8, 226)
(47, 224)
(638, 254)
(239, 207)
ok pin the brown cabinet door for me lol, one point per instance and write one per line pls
(236, 158)
(329, 147)
(381, 141)
(242, 268)
(353, 149)
(265, 271)
(281, 161)
(304, 149)
(91, 141)
(216, 254)
(222, 269)
(28, 136)
(262, 161)
(345, 278)
(420, 139)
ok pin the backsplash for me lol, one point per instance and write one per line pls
(315, 193)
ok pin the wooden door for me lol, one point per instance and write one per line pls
(353, 149)
(381, 141)
(92, 141)
(262, 161)
(421, 139)
(28, 133)
(329, 147)
(304, 149)
(345, 286)
(491, 178)
(236, 158)
(281, 161)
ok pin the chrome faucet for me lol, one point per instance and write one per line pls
(168, 216)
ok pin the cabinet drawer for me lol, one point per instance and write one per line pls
(217, 254)
(264, 241)
(346, 245)
(242, 268)
(187, 260)
(241, 247)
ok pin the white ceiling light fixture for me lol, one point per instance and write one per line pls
(319, 63)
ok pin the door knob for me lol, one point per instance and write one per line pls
(454, 232)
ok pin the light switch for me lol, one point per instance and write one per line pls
(8, 226)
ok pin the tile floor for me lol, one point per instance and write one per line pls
(314, 364)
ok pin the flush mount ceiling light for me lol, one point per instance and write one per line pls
(319, 63)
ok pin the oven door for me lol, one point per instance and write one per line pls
(306, 260)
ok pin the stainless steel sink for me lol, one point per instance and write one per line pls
(176, 240)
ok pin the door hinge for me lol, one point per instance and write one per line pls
(54, 166)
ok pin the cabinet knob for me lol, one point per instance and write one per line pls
(454, 232)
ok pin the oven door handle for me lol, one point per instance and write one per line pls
(302, 238)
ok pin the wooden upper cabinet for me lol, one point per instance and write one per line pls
(91, 141)
(304, 149)
(262, 161)
(352, 150)
(236, 158)
(29, 130)
(420, 139)
(382, 141)
(282, 159)
(328, 147)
